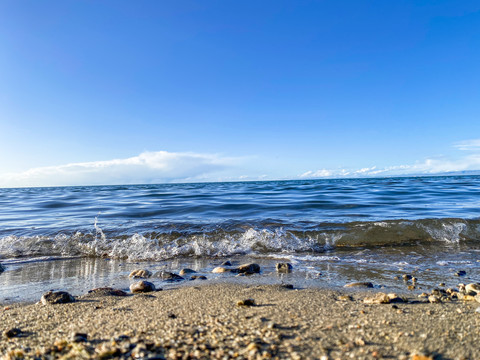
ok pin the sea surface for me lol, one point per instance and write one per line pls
(332, 231)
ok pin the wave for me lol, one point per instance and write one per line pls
(223, 240)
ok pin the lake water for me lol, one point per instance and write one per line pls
(332, 231)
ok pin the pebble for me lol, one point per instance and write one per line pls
(406, 277)
(477, 310)
(434, 299)
(57, 297)
(226, 263)
(360, 284)
(251, 268)
(380, 298)
(461, 273)
(473, 287)
(2, 268)
(11, 333)
(79, 337)
(187, 271)
(246, 302)
(142, 287)
(169, 276)
(107, 291)
(222, 269)
(140, 274)
(284, 267)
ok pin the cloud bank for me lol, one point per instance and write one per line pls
(429, 166)
(148, 167)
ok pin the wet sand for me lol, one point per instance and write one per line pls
(206, 322)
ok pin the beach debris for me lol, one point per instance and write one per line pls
(461, 273)
(13, 332)
(246, 302)
(79, 337)
(57, 297)
(223, 269)
(363, 284)
(198, 277)
(187, 271)
(107, 291)
(250, 268)
(284, 267)
(140, 274)
(142, 287)
(169, 276)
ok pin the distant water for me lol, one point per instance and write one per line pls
(379, 224)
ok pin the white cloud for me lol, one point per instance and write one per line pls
(428, 166)
(148, 167)
(468, 145)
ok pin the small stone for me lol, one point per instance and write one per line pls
(345, 298)
(434, 299)
(246, 302)
(169, 276)
(441, 284)
(226, 263)
(477, 310)
(142, 287)
(411, 287)
(379, 298)
(57, 297)
(222, 269)
(13, 332)
(284, 267)
(461, 273)
(187, 271)
(251, 268)
(423, 295)
(360, 284)
(198, 277)
(472, 288)
(394, 298)
(406, 277)
(107, 291)
(140, 274)
(79, 337)
(2, 268)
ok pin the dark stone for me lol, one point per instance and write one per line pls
(142, 287)
(14, 332)
(2, 268)
(171, 316)
(249, 268)
(226, 263)
(284, 267)
(79, 337)
(57, 297)
(107, 291)
(461, 273)
(406, 277)
(169, 276)
(246, 302)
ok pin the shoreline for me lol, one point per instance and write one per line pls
(204, 321)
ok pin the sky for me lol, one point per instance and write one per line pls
(116, 92)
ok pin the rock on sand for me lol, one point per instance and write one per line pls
(142, 287)
(57, 297)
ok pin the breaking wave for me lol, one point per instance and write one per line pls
(223, 240)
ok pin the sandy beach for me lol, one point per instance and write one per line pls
(207, 322)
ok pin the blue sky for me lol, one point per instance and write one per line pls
(157, 91)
